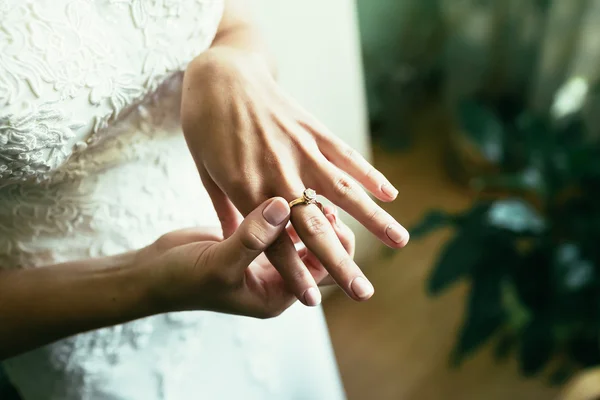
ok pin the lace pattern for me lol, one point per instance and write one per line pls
(93, 163)
(68, 56)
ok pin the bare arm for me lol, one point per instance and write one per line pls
(189, 269)
(238, 30)
(251, 140)
(41, 305)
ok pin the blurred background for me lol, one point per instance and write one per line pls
(484, 114)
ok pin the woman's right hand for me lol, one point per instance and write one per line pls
(197, 270)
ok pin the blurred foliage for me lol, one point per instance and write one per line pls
(531, 255)
(7, 391)
(410, 70)
(448, 49)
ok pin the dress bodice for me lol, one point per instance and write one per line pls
(93, 163)
(70, 68)
(90, 143)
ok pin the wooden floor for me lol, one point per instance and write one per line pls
(396, 346)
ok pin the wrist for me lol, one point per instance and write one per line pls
(225, 64)
(165, 280)
(145, 280)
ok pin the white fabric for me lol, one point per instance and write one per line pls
(93, 163)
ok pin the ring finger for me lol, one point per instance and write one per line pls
(320, 238)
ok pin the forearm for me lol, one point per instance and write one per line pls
(239, 31)
(41, 305)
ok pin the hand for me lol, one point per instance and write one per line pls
(198, 270)
(250, 142)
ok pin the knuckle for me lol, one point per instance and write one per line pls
(374, 215)
(372, 173)
(343, 266)
(254, 237)
(315, 226)
(349, 153)
(298, 276)
(343, 186)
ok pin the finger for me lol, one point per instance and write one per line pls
(315, 267)
(284, 257)
(346, 158)
(352, 162)
(346, 237)
(184, 236)
(293, 234)
(256, 233)
(346, 193)
(229, 216)
(327, 281)
(319, 237)
(343, 232)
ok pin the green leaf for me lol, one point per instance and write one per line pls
(484, 129)
(561, 374)
(526, 181)
(537, 345)
(459, 257)
(572, 271)
(515, 215)
(504, 346)
(432, 221)
(532, 281)
(584, 348)
(518, 315)
(485, 315)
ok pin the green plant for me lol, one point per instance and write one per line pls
(532, 255)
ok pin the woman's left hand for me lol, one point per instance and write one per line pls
(250, 142)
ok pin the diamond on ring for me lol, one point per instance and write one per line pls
(310, 195)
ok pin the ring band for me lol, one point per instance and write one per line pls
(309, 196)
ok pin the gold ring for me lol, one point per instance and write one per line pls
(309, 196)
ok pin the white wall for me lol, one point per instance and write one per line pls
(316, 45)
(317, 49)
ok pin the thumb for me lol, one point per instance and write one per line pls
(256, 233)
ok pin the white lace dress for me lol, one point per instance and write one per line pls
(93, 163)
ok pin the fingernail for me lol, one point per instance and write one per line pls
(397, 233)
(276, 212)
(389, 190)
(312, 297)
(362, 288)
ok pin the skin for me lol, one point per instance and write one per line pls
(267, 146)
(189, 269)
(251, 141)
